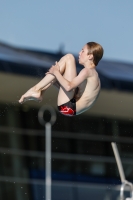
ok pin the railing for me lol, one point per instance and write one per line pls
(61, 156)
(65, 135)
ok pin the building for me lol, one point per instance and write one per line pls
(82, 158)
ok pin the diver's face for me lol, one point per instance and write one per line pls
(83, 55)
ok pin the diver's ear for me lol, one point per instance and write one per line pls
(90, 56)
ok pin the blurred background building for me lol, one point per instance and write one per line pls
(83, 164)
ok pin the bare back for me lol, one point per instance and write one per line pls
(88, 92)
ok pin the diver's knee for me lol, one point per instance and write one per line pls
(70, 57)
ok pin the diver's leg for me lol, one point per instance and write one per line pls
(67, 62)
(70, 73)
(55, 83)
(35, 92)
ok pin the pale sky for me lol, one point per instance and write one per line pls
(48, 24)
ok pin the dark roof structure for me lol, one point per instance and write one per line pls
(113, 75)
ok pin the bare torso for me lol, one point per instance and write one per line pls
(88, 92)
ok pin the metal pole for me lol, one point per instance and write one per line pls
(122, 175)
(118, 161)
(48, 161)
(48, 146)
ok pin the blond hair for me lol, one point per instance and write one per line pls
(97, 51)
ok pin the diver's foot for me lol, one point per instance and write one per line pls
(31, 95)
(31, 99)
